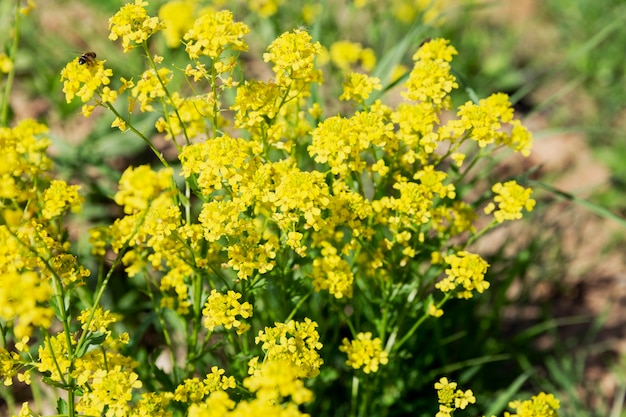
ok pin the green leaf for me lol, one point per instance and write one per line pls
(93, 339)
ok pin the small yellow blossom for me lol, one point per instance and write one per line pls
(85, 80)
(138, 186)
(511, 198)
(214, 32)
(133, 25)
(217, 381)
(331, 272)
(110, 390)
(120, 124)
(24, 302)
(178, 19)
(365, 352)
(433, 311)
(59, 198)
(431, 80)
(293, 57)
(540, 405)
(30, 6)
(265, 8)
(151, 87)
(101, 321)
(275, 380)
(450, 398)
(466, 270)
(222, 309)
(294, 342)
(346, 55)
(358, 87)
(6, 65)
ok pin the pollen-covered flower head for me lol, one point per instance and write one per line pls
(213, 33)
(84, 79)
(133, 25)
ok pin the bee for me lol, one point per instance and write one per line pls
(87, 58)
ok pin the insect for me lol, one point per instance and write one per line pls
(87, 58)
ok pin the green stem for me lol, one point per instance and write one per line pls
(4, 112)
(167, 92)
(141, 135)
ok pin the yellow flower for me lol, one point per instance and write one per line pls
(6, 65)
(331, 272)
(275, 380)
(84, 80)
(60, 197)
(151, 87)
(178, 19)
(216, 380)
(466, 270)
(213, 33)
(24, 159)
(450, 398)
(109, 390)
(430, 81)
(221, 310)
(24, 299)
(540, 405)
(364, 352)
(138, 186)
(293, 57)
(511, 199)
(359, 87)
(295, 342)
(133, 25)
(265, 8)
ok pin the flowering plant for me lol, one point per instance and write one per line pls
(278, 240)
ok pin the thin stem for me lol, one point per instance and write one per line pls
(4, 112)
(141, 135)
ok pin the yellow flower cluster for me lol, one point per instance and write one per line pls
(345, 55)
(450, 398)
(295, 342)
(24, 159)
(540, 405)
(467, 270)
(333, 273)
(193, 390)
(511, 199)
(178, 19)
(214, 32)
(430, 81)
(133, 25)
(292, 55)
(59, 198)
(278, 391)
(365, 352)
(222, 309)
(358, 87)
(85, 80)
